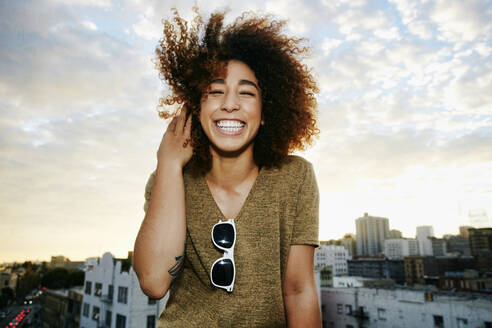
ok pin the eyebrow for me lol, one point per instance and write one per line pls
(241, 82)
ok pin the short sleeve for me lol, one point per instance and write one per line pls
(148, 191)
(306, 223)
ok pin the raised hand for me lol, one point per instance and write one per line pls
(175, 149)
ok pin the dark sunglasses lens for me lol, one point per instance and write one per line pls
(223, 272)
(224, 235)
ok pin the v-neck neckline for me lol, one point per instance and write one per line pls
(245, 203)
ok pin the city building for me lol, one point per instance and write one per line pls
(427, 270)
(325, 276)
(377, 269)
(480, 240)
(395, 233)
(423, 235)
(464, 231)
(458, 245)
(400, 307)
(113, 298)
(334, 256)
(361, 282)
(348, 241)
(61, 308)
(398, 248)
(371, 231)
(468, 281)
(438, 246)
(8, 279)
(61, 261)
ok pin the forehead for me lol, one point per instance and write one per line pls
(236, 70)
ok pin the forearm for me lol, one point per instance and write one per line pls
(161, 237)
(302, 309)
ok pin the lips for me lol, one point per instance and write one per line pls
(230, 127)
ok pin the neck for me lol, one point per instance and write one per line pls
(228, 172)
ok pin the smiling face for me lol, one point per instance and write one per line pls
(231, 110)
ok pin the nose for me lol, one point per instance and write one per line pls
(230, 103)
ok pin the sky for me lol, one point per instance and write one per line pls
(405, 113)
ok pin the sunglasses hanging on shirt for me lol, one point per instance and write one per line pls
(223, 271)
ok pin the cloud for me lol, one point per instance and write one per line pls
(300, 14)
(89, 25)
(329, 44)
(459, 21)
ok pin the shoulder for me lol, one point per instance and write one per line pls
(295, 166)
(292, 172)
(296, 162)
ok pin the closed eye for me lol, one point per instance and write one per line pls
(247, 93)
(216, 92)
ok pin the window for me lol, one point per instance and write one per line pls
(362, 309)
(110, 292)
(348, 309)
(98, 289)
(95, 313)
(462, 323)
(108, 318)
(151, 321)
(438, 321)
(151, 301)
(339, 308)
(120, 321)
(88, 286)
(122, 295)
(382, 314)
(85, 312)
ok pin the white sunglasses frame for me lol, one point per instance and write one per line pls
(228, 254)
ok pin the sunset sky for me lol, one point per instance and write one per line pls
(405, 113)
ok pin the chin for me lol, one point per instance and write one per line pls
(230, 151)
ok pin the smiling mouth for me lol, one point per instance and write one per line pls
(230, 126)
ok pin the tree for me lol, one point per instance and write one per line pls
(28, 282)
(62, 278)
(55, 278)
(6, 296)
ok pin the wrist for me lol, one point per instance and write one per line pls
(169, 167)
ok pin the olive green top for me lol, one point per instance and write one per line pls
(280, 210)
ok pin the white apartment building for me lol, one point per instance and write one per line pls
(398, 248)
(113, 298)
(371, 231)
(350, 281)
(425, 244)
(334, 256)
(400, 308)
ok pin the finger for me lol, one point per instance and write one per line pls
(172, 124)
(181, 120)
(187, 127)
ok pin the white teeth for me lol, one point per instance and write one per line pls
(230, 125)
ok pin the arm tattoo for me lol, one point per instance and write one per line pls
(176, 269)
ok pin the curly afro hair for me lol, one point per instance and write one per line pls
(188, 57)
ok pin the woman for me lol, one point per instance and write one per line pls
(231, 219)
